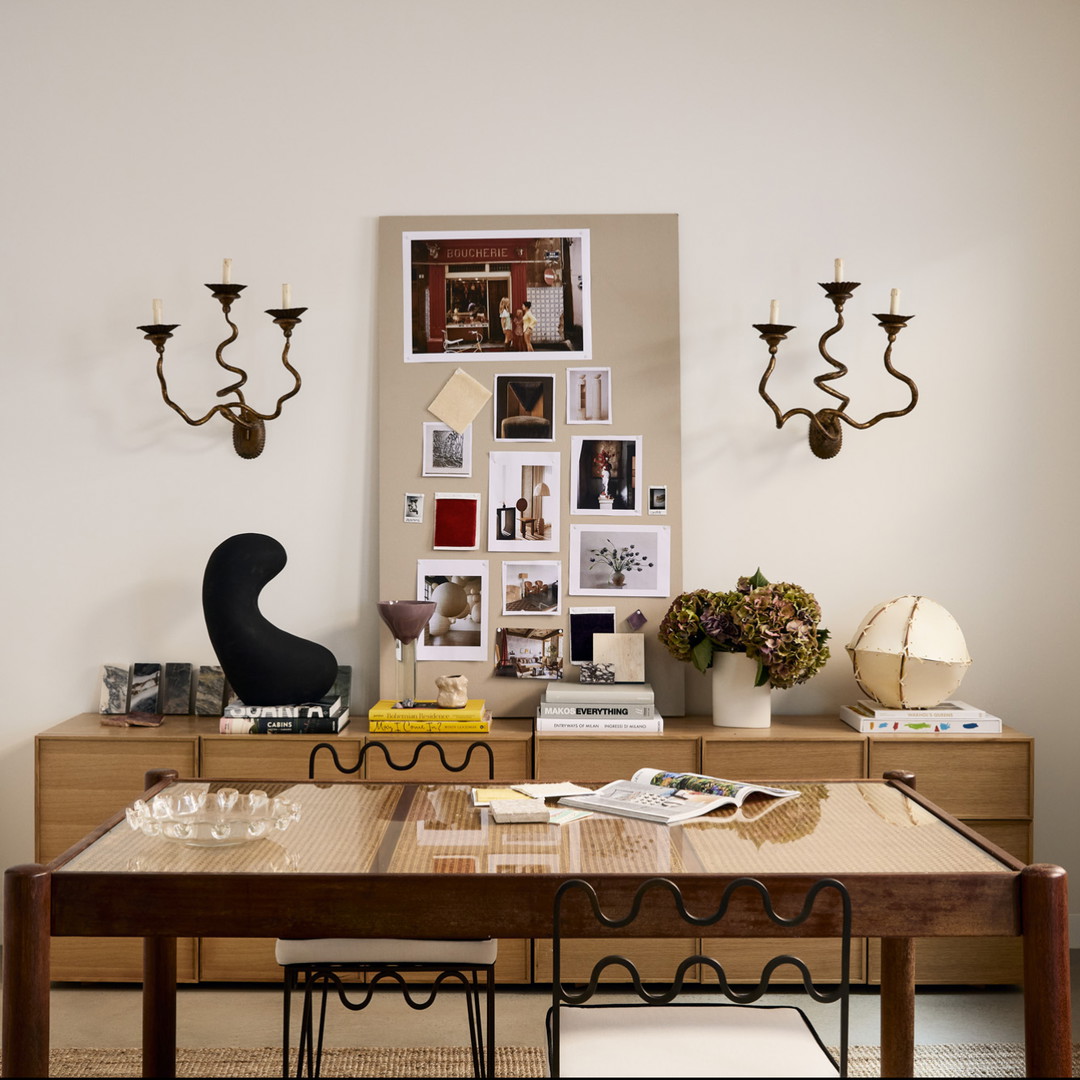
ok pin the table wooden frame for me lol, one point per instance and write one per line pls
(42, 901)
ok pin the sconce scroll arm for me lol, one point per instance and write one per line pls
(773, 334)
(892, 325)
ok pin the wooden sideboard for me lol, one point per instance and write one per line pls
(85, 771)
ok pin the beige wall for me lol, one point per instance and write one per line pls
(930, 145)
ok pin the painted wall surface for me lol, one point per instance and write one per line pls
(932, 146)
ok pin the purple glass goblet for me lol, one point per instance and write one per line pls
(406, 620)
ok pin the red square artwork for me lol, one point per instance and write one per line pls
(456, 522)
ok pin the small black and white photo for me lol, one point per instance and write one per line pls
(658, 499)
(524, 408)
(604, 475)
(414, 508)
(588, 395)
(447, 452)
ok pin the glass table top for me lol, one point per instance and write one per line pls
(356, 828)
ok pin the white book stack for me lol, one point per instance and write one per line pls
(598, 709)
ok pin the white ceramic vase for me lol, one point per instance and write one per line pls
(736, 701)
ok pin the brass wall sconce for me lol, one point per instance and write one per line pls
(248, 424)
(826, 431)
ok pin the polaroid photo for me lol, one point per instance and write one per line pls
(604, 475)
(446, 452)
(634, 560)
(584, 623)
(494, 294)
(588, 395)
(456, 521)
(458, 629)
(527, 653)
(524, 408)
(414, 508)
(523, 500)
(531, 588)
(658, 499)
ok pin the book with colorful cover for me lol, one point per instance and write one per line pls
(873, 725)
(388, 709)
(946, 710)
(421, 727)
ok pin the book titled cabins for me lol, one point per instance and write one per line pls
(598, 709)
(327, 716)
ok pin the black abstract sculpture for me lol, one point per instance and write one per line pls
(264, 664)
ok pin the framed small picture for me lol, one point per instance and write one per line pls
(414, 508)
(588, 395)
(526, 653)
(604, 475)
(458, 629)
(634, 560)
(447, 452)
(658, 499)
(531, 588)
(524, 408)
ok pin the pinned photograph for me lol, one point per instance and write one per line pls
(457, 630)
(414, 508)
(585, 623)
(588, 395)
(531, 588)
(658, 499)
(488, 293)
(446, 452)
(523, 501)
(524, 653)
(525, 408)
(604, 475)
(634, 560)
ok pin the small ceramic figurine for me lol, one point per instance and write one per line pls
(453, 691)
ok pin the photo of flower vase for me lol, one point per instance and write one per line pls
(736, 701)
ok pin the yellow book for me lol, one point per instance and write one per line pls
(427, 710)
(418, 727)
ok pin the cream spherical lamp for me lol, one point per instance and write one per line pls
(909, 653)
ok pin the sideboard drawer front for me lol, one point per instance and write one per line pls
(970, 776)
(788, 760)
(611, 757)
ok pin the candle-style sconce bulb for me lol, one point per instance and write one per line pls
(826, 425)
(248, 424)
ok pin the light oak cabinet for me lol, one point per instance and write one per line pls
(85, 771)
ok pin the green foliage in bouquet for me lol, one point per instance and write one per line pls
(774, 624)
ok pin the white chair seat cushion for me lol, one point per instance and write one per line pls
(689, 1040)
(384, 951)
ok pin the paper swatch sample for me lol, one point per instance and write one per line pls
(459, 401)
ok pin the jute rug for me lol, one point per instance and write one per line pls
(1006, 1059)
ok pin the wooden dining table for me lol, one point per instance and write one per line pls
(418, 860)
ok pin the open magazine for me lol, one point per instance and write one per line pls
(670, 797)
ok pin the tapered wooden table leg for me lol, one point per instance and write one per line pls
(159, 1006)
(897, 1007)
(1044, 903)
(27, 940)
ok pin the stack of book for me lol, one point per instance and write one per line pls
(385, 717)
(326, 716)
(598, 709)
(948, 718)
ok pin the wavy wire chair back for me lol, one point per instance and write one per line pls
(405, 767)
(837, 919)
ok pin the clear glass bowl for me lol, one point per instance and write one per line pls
(213, 819)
